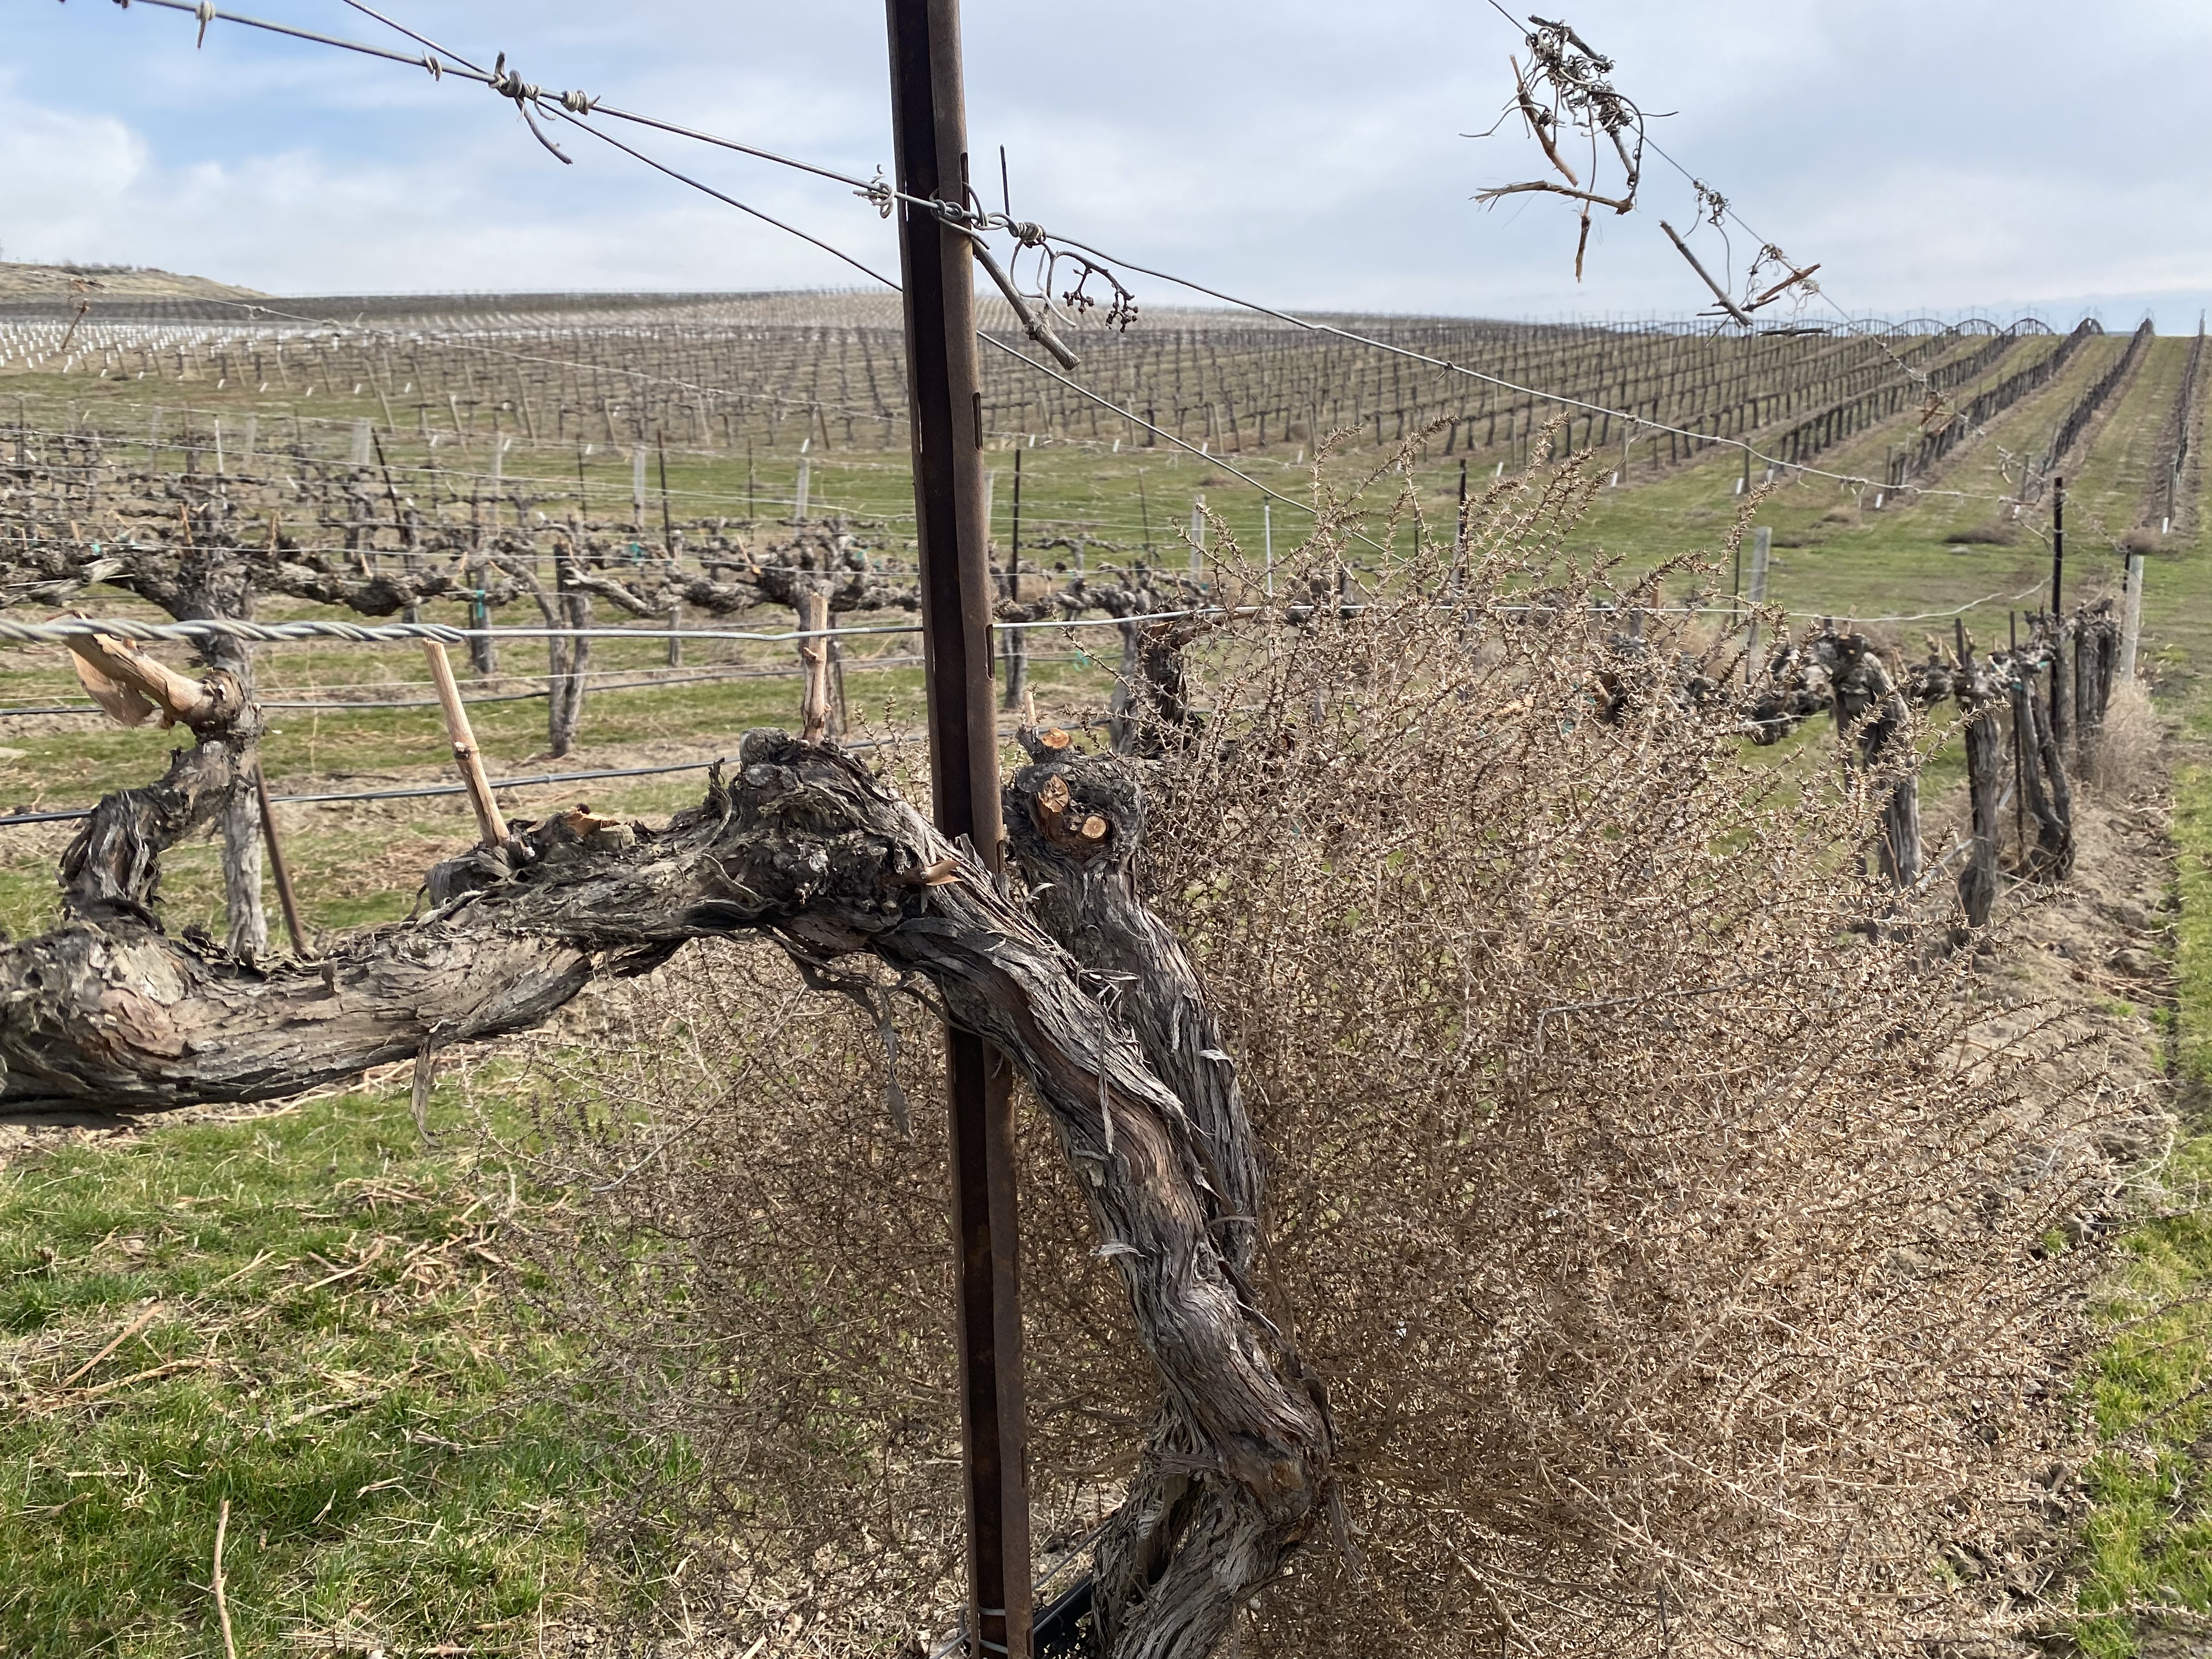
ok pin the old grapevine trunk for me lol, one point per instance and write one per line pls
(2054, 811)
(1870, 709)
(1090, 994)
(1191, 1544)
(1979, 694)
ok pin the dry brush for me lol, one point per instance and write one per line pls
(1685, 1251)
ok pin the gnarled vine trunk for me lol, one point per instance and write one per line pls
(1871, 709)
(1191, 1544)
(1978, 694)
(1090, 995)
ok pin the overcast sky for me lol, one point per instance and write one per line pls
(1935, 155)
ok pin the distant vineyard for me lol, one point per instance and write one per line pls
(772, 372)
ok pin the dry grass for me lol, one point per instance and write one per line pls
(2000, 531)
(1691, 1250)
(2128, 741)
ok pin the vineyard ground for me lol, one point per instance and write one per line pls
(330, 1347)
(1832, 556)
(338, 1347)
(2148, 1537)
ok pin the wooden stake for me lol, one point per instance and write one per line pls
(667, 523)
(277, 868)
(489, 821)
(814, 653)
(2019, 750)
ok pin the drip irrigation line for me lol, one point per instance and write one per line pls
(1832, 614)
(539, 780)
(388, 685)
(344, 705)
(340, 705)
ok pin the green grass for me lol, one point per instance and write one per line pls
(329, 1349)
(2193, 831)
(2148, 1542)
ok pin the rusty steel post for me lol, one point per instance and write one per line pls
(930, 141)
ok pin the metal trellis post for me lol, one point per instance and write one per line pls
(1016, 650)
(2057, 539)
(2059, 710)
(2131, 624)
(1762, 553)
(929, 135)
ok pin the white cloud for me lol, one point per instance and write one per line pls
(88, 188)
(1933, 158)
(62, 169)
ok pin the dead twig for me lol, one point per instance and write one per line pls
(1782, 286)
(1719, 293)
(1567, 84)
(128, 1332)
(1539, 124)
(1564, 74)
(1618, 204)
(222, 1604)
(362, 1266)
(170, 1369)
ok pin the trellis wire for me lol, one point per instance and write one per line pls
(570, 107)
(347, 705)
(413, 792)
(62, 631)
